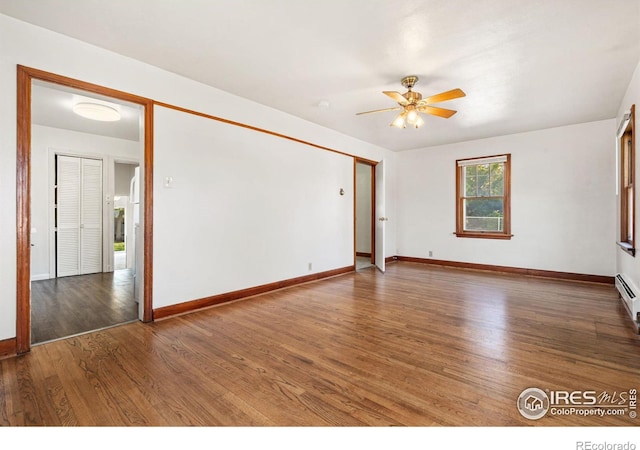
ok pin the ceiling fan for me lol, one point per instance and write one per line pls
(411, 103)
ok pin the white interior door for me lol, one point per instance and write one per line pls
(68, 216)
(79, 216)
(91, 217)
(381, 218)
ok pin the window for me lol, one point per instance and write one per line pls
(627, 185)
(483, 197)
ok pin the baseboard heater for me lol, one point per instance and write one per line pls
(629, 297)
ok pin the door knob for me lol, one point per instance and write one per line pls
(382, 219)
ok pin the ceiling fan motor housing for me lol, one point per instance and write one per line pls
(412, 97)
(409, 81)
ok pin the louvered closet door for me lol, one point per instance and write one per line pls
(91, 217)
(68, 216)
(79, 216)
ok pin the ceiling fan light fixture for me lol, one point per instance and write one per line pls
(419, 122)
(399, 121)
(96, 111)
(412, 115)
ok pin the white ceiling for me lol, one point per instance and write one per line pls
(51, 105)
(524, 64)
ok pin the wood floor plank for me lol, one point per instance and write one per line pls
(416, 346)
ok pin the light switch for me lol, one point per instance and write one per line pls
(168, 182)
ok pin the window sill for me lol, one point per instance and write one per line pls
(484, 235)
(627, 248)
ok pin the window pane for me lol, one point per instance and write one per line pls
(484, 214)
(483, 180)
(497, 180)
(484, 185)
(470, 185)
(483, 169)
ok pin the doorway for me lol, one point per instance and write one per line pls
(126, 215)
(80, 291)
(31, 83)
(364, 215)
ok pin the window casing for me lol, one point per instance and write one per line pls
(483, 197)
(627, 185)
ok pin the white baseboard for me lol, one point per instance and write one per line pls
(39, 277)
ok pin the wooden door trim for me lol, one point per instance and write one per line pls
(373, 213)
(372, 165)
(25, 76)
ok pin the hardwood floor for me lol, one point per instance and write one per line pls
(66, 306)
(417, 346)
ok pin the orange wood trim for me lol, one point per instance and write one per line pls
(373, 207)
(633, 168)
(479, 235)
(512, 270)
(23, 195)
(373, 214)
(355, 210)
(147, 314)
(83, 85)
(390, 259)
(23, 213)
(193, 305)
(507, 197)
(260, 130)
(624, 219)
(369, 162)
(459, 218)
(8, 348)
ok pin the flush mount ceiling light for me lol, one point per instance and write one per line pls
(411, 103)
(96, 111)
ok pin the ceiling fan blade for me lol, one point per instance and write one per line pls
(397, 96)
(379, 110)
(443, 96)
(440, 112)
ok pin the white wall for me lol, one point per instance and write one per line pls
(363, 208)
(32, 46)
(626, 264)
(243, 208)
(45, 141)
(124, 172)
(562, 206)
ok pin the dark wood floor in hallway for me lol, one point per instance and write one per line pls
(62, 307)
(417, 346)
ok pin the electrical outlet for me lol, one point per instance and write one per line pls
(430, 253)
